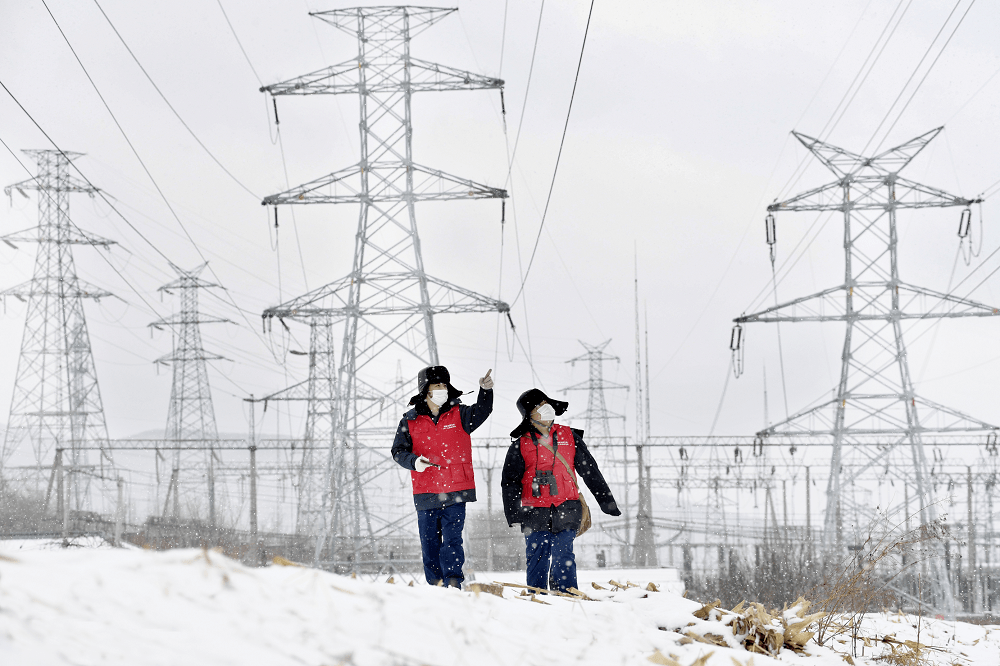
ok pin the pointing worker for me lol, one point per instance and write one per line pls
(433, 441)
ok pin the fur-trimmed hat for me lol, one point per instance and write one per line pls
(527, 403)
(435, 374)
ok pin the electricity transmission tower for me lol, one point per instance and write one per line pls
(597, 419)
(191, 416)
(319, 392)
(388, 300)
(56, 402)
(875, 395)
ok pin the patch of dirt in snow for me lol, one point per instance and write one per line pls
(146, 608)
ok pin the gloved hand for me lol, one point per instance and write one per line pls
(421, 463)
(611, 509)
(487, 381)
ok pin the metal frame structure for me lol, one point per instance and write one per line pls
(56, 402)
(875, 394)
(191, 415)
(319, 392)
(597, 419)
(388, 301)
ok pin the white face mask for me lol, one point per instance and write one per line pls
(546, 413)
(439, 396)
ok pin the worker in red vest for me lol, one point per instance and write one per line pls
(540, 490)
(433, 441)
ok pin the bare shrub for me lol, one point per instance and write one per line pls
(860, 583)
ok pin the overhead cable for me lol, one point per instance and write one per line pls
(148, 173)
(930, 68)
(171, 106)
(239, 43)
(562, 142)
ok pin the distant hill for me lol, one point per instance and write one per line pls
(160, 434)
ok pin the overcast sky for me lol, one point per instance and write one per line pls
(679, 137)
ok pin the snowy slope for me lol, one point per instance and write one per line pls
(113, 606)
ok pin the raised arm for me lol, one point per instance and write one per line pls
(475, 415)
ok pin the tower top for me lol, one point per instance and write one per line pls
(385, 20)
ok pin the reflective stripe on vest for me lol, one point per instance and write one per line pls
(446, 444)
(537, 457)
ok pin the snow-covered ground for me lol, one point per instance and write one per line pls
(127, 606)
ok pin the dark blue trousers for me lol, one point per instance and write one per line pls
(543, 546)
(441, 542)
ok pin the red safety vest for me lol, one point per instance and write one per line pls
(537, 457)
(446, 444)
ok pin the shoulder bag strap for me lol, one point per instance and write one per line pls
(559, 456)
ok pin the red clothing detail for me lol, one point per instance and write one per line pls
(541, 458)
(446, 444)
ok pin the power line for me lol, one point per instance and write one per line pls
(527, 89)
(562, 142)
(891, 107)
(171, 106)
(799, 170)
(927, 73)
(238, 42)
(148, 173)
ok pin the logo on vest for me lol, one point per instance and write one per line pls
(446, 427)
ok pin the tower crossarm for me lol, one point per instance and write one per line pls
(386, 185)
(938, 305)
(181, 319)
(385, 22)
(836, 159)
(66, 183)
(189, 355)
(76, 288)
(826, 305)
(338, 79)
(844, 163)
(187, 283)
(894, 159)
(385, 297)
(910, 194)
(867, 192)
(342, 78)
(430, 76)
(872, 301)
(586, 386)
(67, 237)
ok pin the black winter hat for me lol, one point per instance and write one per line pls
(527, 402)
(435, 374)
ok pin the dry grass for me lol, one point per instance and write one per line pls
(905, 653)
(860, 583)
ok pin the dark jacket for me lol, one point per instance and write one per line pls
(402, 446)
(566, 516)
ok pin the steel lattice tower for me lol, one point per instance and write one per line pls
(597, 419)
(875, 395)
(191, 416)
(56, 401)
(319, 392)
(388, 300)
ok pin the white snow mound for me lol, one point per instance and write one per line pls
(109, 607)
